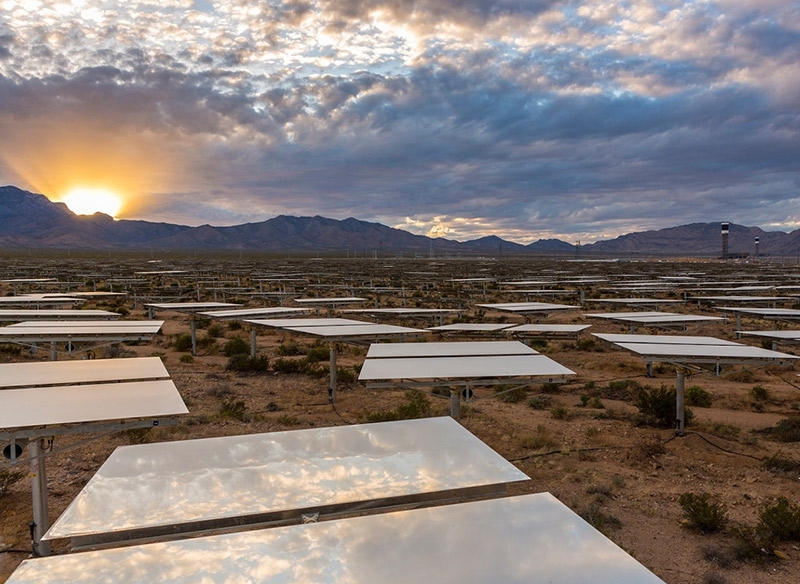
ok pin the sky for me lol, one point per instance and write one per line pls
(577, 120)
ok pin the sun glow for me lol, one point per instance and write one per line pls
(83, 201)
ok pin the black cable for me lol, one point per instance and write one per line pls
(13, 551)
(717, 446)
(335, 411)
(548, 453)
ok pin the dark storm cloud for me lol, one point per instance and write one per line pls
(538, 119)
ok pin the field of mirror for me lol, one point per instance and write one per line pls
(716, 502)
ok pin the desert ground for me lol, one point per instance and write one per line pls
(586, 441)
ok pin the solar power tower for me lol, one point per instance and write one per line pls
(726, 227)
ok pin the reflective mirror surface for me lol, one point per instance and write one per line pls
(169, 483)
(526, 539)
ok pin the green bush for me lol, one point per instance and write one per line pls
(587, 345)
(344, 375)
(315, 370)
(10, 476)
(779, 463)
(591, 402)
(183, 342)
(551, 388)
(510, 395)
(759, 393)
(779, 521)
(559, 413)
(742, 376)
(10, 349)
(596, 403)
(703, 513)
(290, 349)
(235, 409)
(622, 389)
(215, 331)
(282, 365)
(417, 405)
(317, 353)
(600, 520)
(697, 396)
(236, 346)
(186, 359)
(245, 363)
(787, 430)
(658, 406)
(540, 402)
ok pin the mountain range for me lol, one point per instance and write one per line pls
(32, 221)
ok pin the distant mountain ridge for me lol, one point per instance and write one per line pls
(32, 221)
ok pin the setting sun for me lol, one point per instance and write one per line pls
(89, 201)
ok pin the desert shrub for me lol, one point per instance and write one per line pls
(622, 389)
(697, 396)
(10, 349)
(559, 413)
(720, 556)
(714, 578)
(588, 345)
(779, 520)
(290, 349)
(314, 370)
(215, 331)
(317, 353)
(591, 402)
(779, 463)
(234, 325)
(236, 346)
(602, 491)
(540, 402)
(9, 477)
(759, 393)
(723, 430)
(537, 344)
(245, 363)
(702, 512)
(512, 395)
(136, 435)
(186, 359)
(649, 447)
(596, 403)
(287, 420)
(657, 406)
(787, 430)
(206, 342)
(346, 375)
(541, 439)
(183, 342)
(550, 388)
(742, 376)
(417, 405)
(234, 408)
(282, 365)
(202, 322)
(601, 521)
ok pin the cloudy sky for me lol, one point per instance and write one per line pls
(526, 119)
